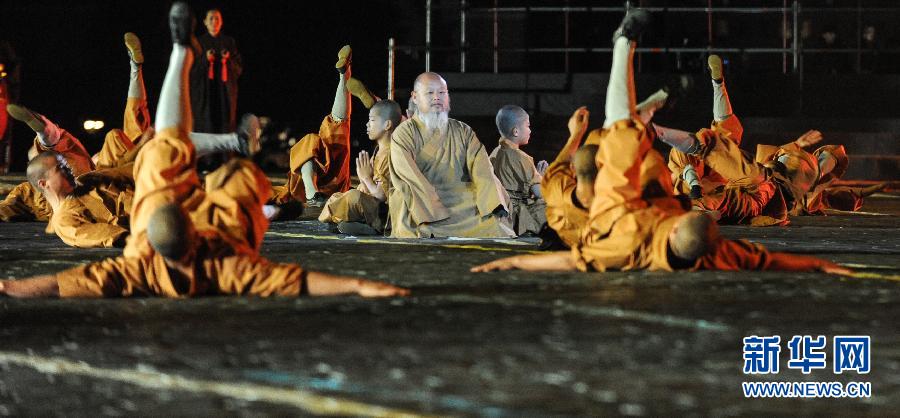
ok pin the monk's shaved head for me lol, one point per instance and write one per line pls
(693, 236)
(509, 117)
(585, 165)
(38, 167)
(428, 77)
(388, 110)
(170, 231)
(432, 101)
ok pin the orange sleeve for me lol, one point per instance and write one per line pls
(558, 178)
(744, 255)
(136, 119)
(256, 276)
(619, 157)
(77, 230)
(113, 277)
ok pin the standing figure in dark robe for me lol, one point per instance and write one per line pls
(214, 79)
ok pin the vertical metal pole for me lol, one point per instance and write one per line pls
(566, 29)
(796, 46)
(709, 24)
(496, 39)
(427, 35)
(462, 36)
(391, 63)
(858, 36)
(784, 22)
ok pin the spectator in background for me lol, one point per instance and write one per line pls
(826, 59)
(10, 72)
(214, 78)
(870, 46)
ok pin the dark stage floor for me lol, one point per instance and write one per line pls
(500, 344)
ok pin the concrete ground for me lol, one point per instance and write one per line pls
(497, 344)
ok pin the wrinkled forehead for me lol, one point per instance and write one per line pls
(430, 83)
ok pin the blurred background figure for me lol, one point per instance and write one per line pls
(10, 73)
(214, 78)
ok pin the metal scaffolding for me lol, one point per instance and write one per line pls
(790, 14)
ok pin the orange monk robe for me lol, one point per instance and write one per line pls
(94, 216)
(729, 128)
(330, 151)
(622, 225)
(564, 213)
(119, 141)
(219, 272)
(797, 172)
(70, 147)
(824, 194)
(444, 185)
(752, 194)
(517, 173)
(628, 232)
(226, 257)
(26, 203)
(358, 205)
(231, 204)
(97, 216)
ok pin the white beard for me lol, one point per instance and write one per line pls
(435, 121)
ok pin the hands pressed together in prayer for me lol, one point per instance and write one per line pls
(542, 166)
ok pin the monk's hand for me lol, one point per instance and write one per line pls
(225, 55)
(832, 268)
(371, 289)
(210, 55)
(503, 264)
(811, 137)
(542, 166)
(365, 167)
(578, 123)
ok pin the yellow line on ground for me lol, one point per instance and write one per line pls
(397, 242)
(868, 266)
(305, 400)
(876, 276)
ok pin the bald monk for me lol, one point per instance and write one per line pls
(84, 216)
(320, 162)
(27, 203)
(444, 185)
(690, 175)
(517, 171)
(183, 239)
(721, 178)
(831, 162)
(363, 211)
(568, 184)
(24, 202)
(629, 232)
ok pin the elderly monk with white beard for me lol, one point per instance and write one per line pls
(444, 184)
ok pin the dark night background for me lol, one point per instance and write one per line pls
(75, 65)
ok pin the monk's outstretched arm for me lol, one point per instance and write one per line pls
(44, 286)
(555, 261)
(796, 262)
(578, 124)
